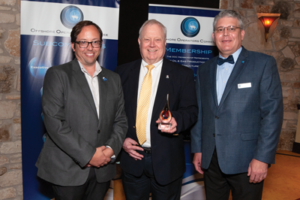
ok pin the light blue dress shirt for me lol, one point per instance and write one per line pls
(223, 74)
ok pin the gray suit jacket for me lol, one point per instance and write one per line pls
(247, 122)
(73, 128)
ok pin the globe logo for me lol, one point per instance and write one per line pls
(190, 27)
(70, 16)
(117, 3)
(38, 67)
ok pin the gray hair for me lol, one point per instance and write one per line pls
(229, 13)
(151, 22)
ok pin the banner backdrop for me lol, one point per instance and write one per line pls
(189, 43)
(45, 42)
(189, 33)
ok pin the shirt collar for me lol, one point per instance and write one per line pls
(235, 55)
(144, 64)
(97, 71)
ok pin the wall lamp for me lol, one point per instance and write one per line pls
(267, 20)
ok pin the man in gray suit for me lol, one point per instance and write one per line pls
(240, 115)
(83, 109)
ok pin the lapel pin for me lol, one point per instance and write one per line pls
(243, 61)
(104, 79)
(167, 76)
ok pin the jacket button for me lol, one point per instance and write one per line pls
(98, 131)
(214, 135)
(133, 127)
(216, 117)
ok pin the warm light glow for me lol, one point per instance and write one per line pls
(267, 20)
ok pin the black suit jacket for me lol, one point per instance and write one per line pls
(167, 149)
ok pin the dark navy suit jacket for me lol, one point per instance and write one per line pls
(247, 122)
(167, 149)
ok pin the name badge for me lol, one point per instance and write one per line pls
(244, 85)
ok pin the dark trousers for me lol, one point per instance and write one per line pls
(138, 188)
(90, 190)
(218, 185)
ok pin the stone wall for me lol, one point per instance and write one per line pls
(283, 44)
(10, 113)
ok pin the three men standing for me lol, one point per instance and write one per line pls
(240, 115)
(156, 162)
(234, 140)
(83, 109)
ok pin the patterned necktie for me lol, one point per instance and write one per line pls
(220, 61)
(143, 106)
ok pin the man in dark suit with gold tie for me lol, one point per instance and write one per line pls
(153, 160)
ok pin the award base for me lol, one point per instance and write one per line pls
(164, 126)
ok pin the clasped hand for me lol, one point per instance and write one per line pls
(101, 157)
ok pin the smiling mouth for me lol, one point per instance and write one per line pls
(89, 54)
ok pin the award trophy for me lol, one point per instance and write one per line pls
(165, 116)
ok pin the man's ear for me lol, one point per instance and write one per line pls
(243, 34)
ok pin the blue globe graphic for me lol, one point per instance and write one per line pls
(38, 67)
(190, 27)
(70, 16)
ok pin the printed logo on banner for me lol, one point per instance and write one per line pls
(117, 3)
(38, 67)
(190, 27)
(70, 16)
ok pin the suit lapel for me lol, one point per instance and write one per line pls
(240, 64)
(134, 86)
(162, 90)
(82, 82)
(213, 75)
(102, 82)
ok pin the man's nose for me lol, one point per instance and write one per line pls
(90, 46)
(152, 43)
(225, 31)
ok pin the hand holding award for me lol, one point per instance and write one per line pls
(165, 116)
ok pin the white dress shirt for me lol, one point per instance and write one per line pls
(94, 87)
(93, 83)
(155, 73)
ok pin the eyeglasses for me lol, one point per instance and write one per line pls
(230, 29)
(85, 44)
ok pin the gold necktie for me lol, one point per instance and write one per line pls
(143, 106)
